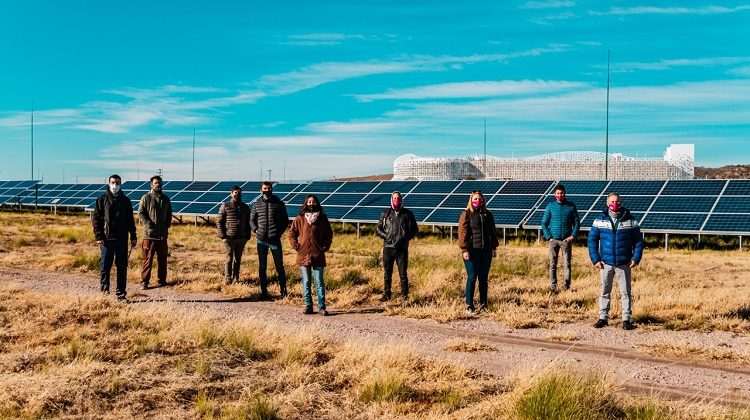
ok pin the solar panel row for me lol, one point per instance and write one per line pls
(706, 206)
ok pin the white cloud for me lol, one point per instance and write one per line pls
(666, 64)
(321, 39)
(550, 4)
(655, 10)
(479, 89)
(550, 19)
(322, 73)
(743, 71)
(41, 117)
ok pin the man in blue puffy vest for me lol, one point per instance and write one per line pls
(560, 225)
(615, 247)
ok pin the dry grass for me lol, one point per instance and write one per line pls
(721, 355)
(66, 356)
(469, 347)
(680, 289)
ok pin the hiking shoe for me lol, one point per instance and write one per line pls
(482, 308)
(385, 297)
(470, 310)
(553, 290)
(308, 310)
(228, 281)
(162, 283)
(601, 323)
(144, 286)
(323, 312)
(121, 298)
(264, 296)
(567, 286)
(627, 325)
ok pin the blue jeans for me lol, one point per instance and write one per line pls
(320, 288)
(477, 267)
(278, 261)
(114, 251)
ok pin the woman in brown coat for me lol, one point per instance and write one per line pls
(477, 238)
(311, 236)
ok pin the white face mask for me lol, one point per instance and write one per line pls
(114, 188)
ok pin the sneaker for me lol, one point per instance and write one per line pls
(162, 283)
(553, 289)
(482, 308)
(308, 310)
(567, 286)
(323, 312)
(264, 296)
(470, 310)
(283, 293)
(385, 297)
(121, 298)
(627, 325)
(144, 286)
(228, 281)
(601, 323)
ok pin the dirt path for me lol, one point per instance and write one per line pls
(607, 350)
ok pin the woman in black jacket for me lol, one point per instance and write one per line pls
(477, 238)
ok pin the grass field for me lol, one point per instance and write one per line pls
(92, 357)
(699, 290)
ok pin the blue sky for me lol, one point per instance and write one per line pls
(313, 90)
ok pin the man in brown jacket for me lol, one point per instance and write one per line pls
(155, 213)
(233, 226)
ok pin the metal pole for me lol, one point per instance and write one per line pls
(261, 170)
(451, 234)
(194, 158)
(357, 230)
(606, 135)
(504, 243)
(666, 242)
(740, 242)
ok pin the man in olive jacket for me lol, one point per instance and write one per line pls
(397, 226)
(269, 220)
(155, 213)
(560, 224)
(113, 222)
(233, 226)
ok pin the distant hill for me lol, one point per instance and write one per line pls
(383, 177)
(729, 171)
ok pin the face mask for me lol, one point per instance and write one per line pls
(396, 202)
(157, 188)
(476, 203)
(267, 194)
(560, 199)
(614, 207)
(114, 188)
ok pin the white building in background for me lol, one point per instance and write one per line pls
(678, 163)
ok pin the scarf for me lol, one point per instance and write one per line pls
(311, 217)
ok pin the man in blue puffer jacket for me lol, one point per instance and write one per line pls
(560, 225)
(615, 246)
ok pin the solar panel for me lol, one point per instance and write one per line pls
(525, 187)
(456, 201)
(701, 187)
(535, 219)
(377, 200)
(696, 204)
(371, 214)
(633, 203)
(357, 186)
(321, 187)
(299, 198)
(423, 200)
(202, 186)
(420, 213)
(174, 186)
(673, 221)
(733, 205)
(446, 216)
(436, 187)
(487, 187)
(216, 197)
(134, 185)
(512, 202)
(187, 196)
(583, 187)
(284, 188)
(333, 212)
(582, 202)
(738, 187)
(727, 223)
(511, 218)
(391, 186)
(634, 187)
(343, 199)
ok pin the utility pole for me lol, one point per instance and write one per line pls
(606, 133)
(193, 153)
(261, 170)
(269, 175)
(484, 151)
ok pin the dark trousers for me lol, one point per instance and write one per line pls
(477, 268)
(234, 248)
(114, 251)
(401, 258)
(278, 261)
(150, 247)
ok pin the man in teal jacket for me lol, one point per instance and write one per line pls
(560, 225)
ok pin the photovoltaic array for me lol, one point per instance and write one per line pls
(674, 206)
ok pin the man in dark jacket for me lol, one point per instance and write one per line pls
(233, 226)
(155, 213)
(560, 225)
(397, 226)
(615, 247)
(269, 220)
(113, 222)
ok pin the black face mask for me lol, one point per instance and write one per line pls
(313, 208)
(267, 194)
